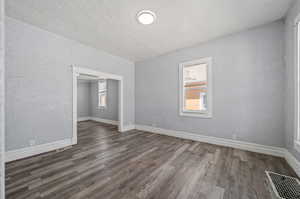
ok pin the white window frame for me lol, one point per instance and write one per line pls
(297, 86)
(103, 91)
(201, 114)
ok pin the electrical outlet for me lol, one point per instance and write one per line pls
(31, 142)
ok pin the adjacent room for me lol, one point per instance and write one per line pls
(97, 99)
(160, 99)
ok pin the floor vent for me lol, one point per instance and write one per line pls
(283, 187)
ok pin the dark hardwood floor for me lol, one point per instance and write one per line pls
(136, 165)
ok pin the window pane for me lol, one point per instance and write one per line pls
(194, 73)
(195, 99)
(101, 85)
(102, 93)
(195, 87)
(102, 100)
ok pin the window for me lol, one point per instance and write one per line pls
(195, 88)
(102, 93)
(297, 86)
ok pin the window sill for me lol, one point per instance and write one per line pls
(297, 145)
(200, 115)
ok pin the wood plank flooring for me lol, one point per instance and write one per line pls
(138, 165)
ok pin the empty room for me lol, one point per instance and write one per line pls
(160, 99)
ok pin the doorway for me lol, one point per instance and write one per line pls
(81, 71)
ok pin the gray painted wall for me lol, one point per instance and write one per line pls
(83, 99)
(2, 88)
(248, 74)
(87, 100)
(290, 78)
(111, 111)
(39, 83)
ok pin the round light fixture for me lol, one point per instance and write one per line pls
(146, 17)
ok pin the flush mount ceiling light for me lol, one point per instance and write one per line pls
(146, 17)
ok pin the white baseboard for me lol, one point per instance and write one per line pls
(269, 150)
(128, 128)
(81, 119)
(35, 150)
(293, 162)
(113, 122)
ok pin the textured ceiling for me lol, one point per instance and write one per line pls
(110, 25)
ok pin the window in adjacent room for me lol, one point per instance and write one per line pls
(195, 88)
(102, 93)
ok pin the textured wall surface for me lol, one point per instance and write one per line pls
(87, 100)
(83, 99)
(290, 58)
(39, 83)
(111, 111)
(248, 83)
(2, 122)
